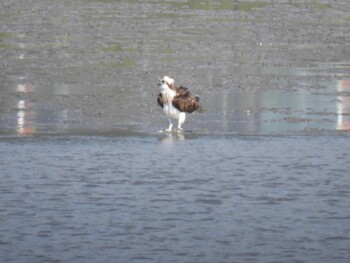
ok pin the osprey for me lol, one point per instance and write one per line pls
(176, 101)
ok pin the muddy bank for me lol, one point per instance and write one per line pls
(93, 65)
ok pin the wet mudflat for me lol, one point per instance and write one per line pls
(93, 66)
(261, 175)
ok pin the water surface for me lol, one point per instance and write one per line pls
(175, 199)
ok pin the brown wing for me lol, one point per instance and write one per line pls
(187, 103)
(160, 100)
(182, 91)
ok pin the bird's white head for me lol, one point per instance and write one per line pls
(166, 82)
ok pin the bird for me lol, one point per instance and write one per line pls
(176, 102)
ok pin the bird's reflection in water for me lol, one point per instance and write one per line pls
(168, 139)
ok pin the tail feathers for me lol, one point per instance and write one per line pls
(199, 107)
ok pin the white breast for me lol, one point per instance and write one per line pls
(168, 95)
(171, 111)
(167, 92)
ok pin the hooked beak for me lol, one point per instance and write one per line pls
(161, 82)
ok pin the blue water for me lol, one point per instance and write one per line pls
(168, 198)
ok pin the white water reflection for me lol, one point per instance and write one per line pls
(340, 69)
(248, 112)
(276, 111)
(32, 117)
(25, 88)
(257, 112)
(26, 125)
(343, 105)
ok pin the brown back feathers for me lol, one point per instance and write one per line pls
(184, 101)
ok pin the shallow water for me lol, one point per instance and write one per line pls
(175, 199)
(267, 112)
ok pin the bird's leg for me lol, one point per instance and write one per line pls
(181, 120)
(170, 125)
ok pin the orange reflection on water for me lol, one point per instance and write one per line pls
(25, 114)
